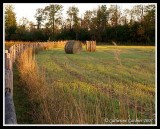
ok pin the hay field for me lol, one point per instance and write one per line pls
(114, 85)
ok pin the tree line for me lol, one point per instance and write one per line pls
(103, 24)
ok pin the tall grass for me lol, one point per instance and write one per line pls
(33, 83)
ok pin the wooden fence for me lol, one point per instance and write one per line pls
(10, 57)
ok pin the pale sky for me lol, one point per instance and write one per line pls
(28, 10)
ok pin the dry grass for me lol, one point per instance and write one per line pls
(47, 45)
(34, 84)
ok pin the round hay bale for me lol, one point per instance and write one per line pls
(73, 47)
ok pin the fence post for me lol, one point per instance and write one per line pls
(21, 46)
(10, 52)
(10, 115)
(18, 49)
(14, 54)
(8, 72)
(94, 45)
(91, 46)
(8, 62)
(86, 45)
(9, 81)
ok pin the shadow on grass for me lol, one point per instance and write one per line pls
(21, 100)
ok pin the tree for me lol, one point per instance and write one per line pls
(86, 21)
(102, 17)
(135, 25)
(123, 20)
(114, 14)
(150, 14)
(24, 22)
(10, 22)
(31, 26)
(102, 22)
(73, 18)
(53, 14)
(139, 11)
(149, 23)
(39, 17)
(130, 15)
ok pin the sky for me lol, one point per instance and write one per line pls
(28, 10)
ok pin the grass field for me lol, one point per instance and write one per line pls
(114, 85)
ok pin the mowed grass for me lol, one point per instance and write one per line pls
(112, 84)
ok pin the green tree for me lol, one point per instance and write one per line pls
(86, 21)
(10, 22)
(73, 18)
(93, 25)
(114, 17)
(102, 17)
(149, 23)
(39, 17)
(150, 15)
(101, 22)
(53, 15)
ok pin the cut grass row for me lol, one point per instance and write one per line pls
(88, 88)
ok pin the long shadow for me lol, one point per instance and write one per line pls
(21, 99)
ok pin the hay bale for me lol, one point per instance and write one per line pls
(73, 47)
(91, 46)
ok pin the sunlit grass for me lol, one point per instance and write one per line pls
(99, 71)
(87, 88)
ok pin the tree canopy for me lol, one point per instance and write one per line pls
(104, 24)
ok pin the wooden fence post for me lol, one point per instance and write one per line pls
(14, 53)
(94, 45)
(10, 114)
(8, 73)
(22, 48)
(9, 81)
(18, 49)
(8, 62)
(10, 51)
(86, 45)
(91, 46)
